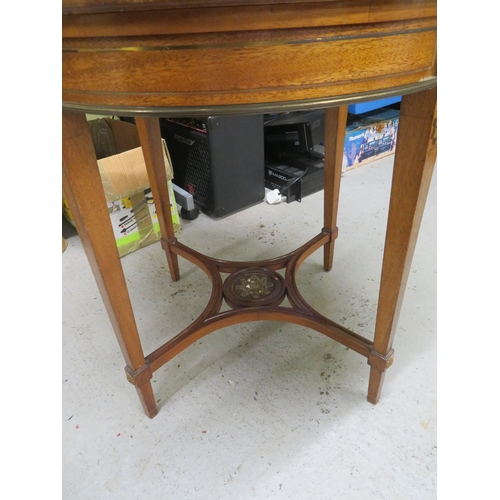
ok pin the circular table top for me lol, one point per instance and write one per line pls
(196, 58)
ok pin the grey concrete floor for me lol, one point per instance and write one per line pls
(265, 409)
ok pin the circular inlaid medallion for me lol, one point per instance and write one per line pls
(254, 287)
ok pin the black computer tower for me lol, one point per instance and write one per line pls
(293, 166)
(218, 159)
(294, 132)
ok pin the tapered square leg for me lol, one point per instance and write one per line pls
(335, 125)
(84, 192)
(413, 166)
(150, 137)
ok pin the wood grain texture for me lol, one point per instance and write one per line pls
(84, 193)
(335, 128)
(150, 136)
(413, 167)
(79, 6)
(184, 70)
(221, 19)
(213, 319)
(141, 18)
(146, 57)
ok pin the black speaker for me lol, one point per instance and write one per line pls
(218, 159)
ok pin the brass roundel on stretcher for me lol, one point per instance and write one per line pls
(254, 287)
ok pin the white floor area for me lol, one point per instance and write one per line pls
(260, 410)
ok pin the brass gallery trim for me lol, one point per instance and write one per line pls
(249, 44)
(308, 104)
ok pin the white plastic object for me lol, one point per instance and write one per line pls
(273, 197)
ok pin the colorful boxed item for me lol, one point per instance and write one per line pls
(134, 220)
(370, 137)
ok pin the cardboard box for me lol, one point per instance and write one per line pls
(126, 185)
(370, 137)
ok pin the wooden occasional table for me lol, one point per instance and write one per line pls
(151, 59)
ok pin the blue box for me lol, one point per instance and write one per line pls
(364, 107)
